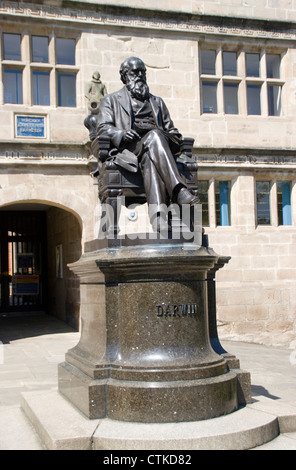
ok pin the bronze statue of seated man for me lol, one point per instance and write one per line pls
(138, 122)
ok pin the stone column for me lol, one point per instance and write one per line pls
(155, 362)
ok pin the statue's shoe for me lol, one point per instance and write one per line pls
(185, 197)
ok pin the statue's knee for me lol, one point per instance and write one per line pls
(156, 132)
(155, 135)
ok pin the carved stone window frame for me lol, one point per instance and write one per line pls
(27, 66)
(241, 79)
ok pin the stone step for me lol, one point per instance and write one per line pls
(241, 430)
(16, 431)
(61, 427)
(283, 442)
(58, 424)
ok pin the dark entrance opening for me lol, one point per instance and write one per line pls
(37, 243)
(23, 261)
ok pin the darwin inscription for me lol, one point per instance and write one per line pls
(176, 310)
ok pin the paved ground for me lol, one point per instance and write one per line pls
(34, 345)
(32, 348)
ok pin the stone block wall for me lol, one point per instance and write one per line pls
(170, 49)
(63, 230)
(255, 291)
(262, 9)
(173, 72)
(256, 298)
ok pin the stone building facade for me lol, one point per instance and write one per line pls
(226, 69)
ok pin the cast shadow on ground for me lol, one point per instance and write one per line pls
(258, 390)
(14, 327)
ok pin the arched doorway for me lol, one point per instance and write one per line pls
(37, 242)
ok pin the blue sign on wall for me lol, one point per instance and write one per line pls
(30, 126)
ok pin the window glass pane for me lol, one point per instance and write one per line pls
(208, 62)
(230, 98)
(65, 51)
(203, 187)
(229, 63)
(253, 65)
(13, 86)
(67, 89)
(273, 62)
(41, 88)
(274, 100)
(263, 202)
(209, 96)
(254, 99)
(222, 191)
(284, 202)
(40, 49)
(12, 46)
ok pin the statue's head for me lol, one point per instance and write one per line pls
(133, 66)
(96, 76)
(133, 75)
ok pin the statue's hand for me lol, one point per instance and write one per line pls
(130, 136)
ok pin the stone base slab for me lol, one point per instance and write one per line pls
(126, 401)
(61, 427)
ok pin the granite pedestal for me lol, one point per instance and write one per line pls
(145, 353)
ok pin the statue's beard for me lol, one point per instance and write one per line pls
(138, 89)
